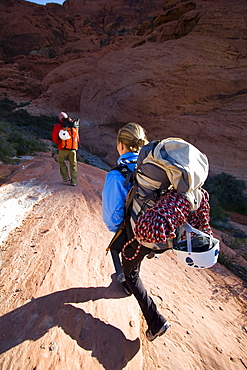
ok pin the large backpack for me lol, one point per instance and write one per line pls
(162, 165)
(69, 134)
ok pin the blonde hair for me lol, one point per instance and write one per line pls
(133, 136)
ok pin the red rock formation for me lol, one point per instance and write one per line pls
(177, 67)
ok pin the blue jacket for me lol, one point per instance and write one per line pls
(115, 192)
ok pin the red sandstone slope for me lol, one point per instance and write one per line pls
(62, 309)
(176, 67)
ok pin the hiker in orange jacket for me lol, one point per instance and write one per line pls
(67, 140)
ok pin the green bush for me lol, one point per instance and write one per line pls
(6, 106)
(217, 213)
(226, 195)
(39, 125)
(6, 150)
(226, 260)
(22, 144)
(20, 132)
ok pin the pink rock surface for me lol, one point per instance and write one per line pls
(61, 307)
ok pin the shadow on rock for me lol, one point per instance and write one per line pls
(31, 321)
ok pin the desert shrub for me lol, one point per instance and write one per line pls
(39, 125)
(22, 144)
(6, 150)
(217, 213)
(227, 260)
(20, 132)
(226, 194)
(6, 106)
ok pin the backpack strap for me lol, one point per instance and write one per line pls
(125, 171)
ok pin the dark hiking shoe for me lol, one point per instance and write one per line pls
(126, 288)
(67, 180)
(150, 336)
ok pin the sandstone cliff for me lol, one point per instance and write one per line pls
(176, 67)
(61, 308)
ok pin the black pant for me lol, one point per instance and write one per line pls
(131, 270)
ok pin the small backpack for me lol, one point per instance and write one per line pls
(69, 134)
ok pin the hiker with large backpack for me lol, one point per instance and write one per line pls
(66, 135)
(166, 208)
(130, 139)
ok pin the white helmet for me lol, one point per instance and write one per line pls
(200, 259)
(64, 135)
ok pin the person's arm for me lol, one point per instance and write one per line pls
(113, 200)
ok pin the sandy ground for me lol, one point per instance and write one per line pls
(61, 308)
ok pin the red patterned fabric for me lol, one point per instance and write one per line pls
(160, 222)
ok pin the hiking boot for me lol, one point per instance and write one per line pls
(67, 180)
(150, 336)
(126, 288)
